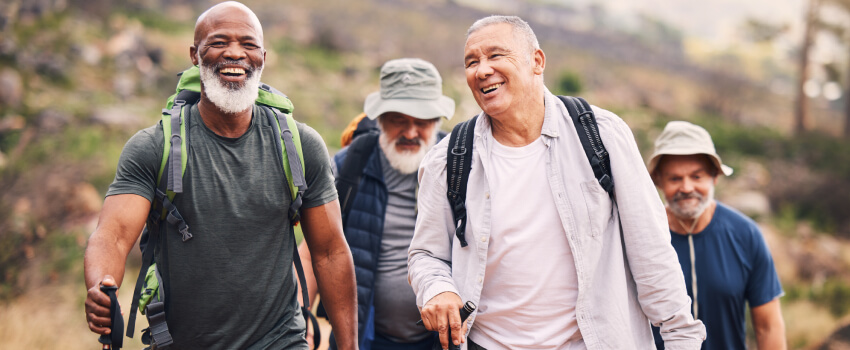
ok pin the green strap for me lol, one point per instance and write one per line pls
(297, 183)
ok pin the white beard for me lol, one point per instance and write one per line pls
(691, 212)
(229, 98)
(406, 162)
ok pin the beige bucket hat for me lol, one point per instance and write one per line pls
(683, 138)
(411, 86)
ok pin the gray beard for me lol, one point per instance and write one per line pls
(229, 97)
(406, 162)
(691, 212)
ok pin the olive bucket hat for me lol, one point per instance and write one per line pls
(683, 138)
(411, 86)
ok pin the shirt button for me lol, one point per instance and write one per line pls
(487, 195)
(479, 279)
(483, 239)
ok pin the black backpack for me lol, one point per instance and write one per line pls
(459, 158)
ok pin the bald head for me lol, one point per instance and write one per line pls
(228, 11)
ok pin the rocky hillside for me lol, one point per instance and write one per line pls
(78, 78)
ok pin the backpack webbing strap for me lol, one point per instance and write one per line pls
(351, 172)
(588, 134)
(157, 333)
(291, 156)
(459, 162)
(302, 279)
(152, 230)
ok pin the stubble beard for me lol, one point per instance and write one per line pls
(230, 97)
(692, 211)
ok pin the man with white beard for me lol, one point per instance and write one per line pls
(232, 285)
(381, 215)
(722, 252)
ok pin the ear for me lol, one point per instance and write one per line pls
(193, 54)
(539, 61)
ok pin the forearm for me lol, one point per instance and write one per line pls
(335, 276)
(104, 256)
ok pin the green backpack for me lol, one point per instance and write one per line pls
(148, 295)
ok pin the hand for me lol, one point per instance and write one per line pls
(442, 313)
(310, 335)
(97, 307)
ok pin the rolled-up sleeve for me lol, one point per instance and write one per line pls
(651, 258)
(430, 255)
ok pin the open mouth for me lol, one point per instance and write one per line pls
(232, 71)
(491, 88)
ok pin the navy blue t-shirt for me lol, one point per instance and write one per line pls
(733, 266)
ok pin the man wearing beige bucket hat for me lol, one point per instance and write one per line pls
(722, 252)
(376, 180)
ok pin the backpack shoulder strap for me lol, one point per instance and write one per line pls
(357, 156)
(588, 134)
(288, 141)
(458, 164)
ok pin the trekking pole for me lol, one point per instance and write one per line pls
(465, 311)
(114, 340)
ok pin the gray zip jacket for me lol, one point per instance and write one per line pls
(625, 280)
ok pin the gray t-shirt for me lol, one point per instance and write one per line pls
(232, 285)
(395, 304)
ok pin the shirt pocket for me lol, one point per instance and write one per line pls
(598, 206)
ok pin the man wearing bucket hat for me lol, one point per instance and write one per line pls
(722, 252)
(379, 203)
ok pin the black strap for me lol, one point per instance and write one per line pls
(351, 172)
(588, 134)
(299, 181)
(305, 296)
(116, 337)
(459, 162)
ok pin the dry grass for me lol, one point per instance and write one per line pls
(52, 317)
(806, 323)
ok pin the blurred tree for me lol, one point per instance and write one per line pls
(801, 118)
(841, 30)
(760, 31)
(569, 83)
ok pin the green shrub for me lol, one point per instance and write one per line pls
(569, 83)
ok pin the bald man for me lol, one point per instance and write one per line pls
(232, 285)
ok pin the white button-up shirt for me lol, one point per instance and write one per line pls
(624, 280)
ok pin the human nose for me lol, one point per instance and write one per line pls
(687, 186)
(410, 131)
(483, 70)
(234, 52)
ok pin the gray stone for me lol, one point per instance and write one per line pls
(11, 88)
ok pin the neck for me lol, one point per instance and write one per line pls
(690, 226)
(520, 126)
(224, 124)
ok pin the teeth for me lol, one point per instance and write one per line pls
(232, 71)
(491, 88)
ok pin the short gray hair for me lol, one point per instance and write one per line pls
(520, 27)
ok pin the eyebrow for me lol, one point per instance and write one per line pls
(241, 38)
(488, 50)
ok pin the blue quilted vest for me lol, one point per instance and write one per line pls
(364, 227)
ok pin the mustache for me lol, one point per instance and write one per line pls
(681, 196)
(401, 140)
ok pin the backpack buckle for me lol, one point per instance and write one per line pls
(459, 151)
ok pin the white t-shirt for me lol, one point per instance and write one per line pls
(530, 284)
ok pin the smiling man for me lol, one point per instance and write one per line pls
(551, 261)
(726, 262)
(382, 207)
(231, 286)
